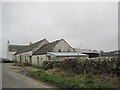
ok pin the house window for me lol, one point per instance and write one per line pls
(59, 50)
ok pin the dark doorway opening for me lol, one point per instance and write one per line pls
(20, 58)
(59, 50)
(30, 58)
(37, 61)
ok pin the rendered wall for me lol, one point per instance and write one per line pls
(63, 46)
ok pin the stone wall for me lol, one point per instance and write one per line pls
(38, 59)
(23, 57)
(106, 65)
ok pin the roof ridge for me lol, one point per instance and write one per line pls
(56, 41)
(18, 45)
(47, 47)
(30, 47)
(38, 41)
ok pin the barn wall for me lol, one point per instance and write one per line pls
(10, 55)
(24, 57)
(28, 54)
(34, 59)
(52, 57)
(17, 57)
(63, 46)
(38, 59)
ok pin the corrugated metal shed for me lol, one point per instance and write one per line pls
(67, 54)
(86, 50)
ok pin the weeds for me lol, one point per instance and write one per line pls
(79, 81)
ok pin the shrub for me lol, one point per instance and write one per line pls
(101, 65)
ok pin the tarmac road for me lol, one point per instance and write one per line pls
(0, 76)
(11, 79)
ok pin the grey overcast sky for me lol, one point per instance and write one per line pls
(86, 25)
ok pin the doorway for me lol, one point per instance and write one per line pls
(30, 58)
(20, 58)
(38, 61)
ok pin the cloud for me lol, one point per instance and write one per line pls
(0, 29)
(90, 24)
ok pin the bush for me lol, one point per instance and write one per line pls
(101, 65)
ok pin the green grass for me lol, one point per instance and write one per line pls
(82, 81)
(37, 67)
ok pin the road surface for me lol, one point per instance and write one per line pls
(0, 76)
(11, 79)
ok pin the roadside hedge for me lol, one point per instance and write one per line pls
(99, 65)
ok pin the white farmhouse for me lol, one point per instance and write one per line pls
(24, 54)
(12, 49)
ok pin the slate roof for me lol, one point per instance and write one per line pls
(29, 47)
(15, 48)
(47, 48)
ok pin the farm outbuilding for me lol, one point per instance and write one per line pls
(64, 55)
(12, 49)
(91, 53)
(24, 55)
(40, 55)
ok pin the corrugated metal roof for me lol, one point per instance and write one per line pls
(66, 54)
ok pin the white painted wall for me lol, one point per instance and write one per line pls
(41, 58)
(10, 55)
(28, 54)
(51, 56)
(24, 57)
(17, 57)
(63, 46)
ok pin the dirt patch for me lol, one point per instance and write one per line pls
(108, 78)
(23, 69)
(60, 72)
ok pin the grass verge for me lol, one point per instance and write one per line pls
(78, 81)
